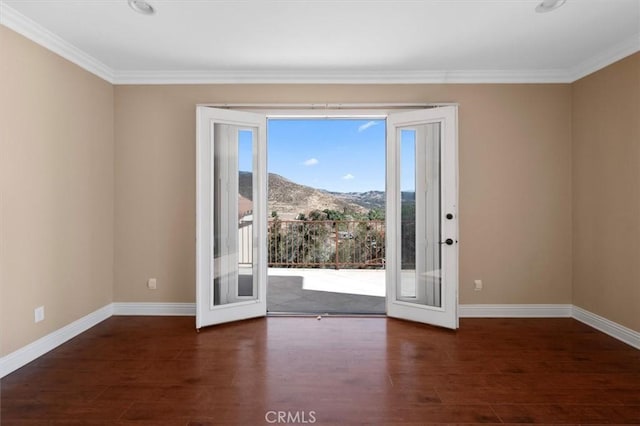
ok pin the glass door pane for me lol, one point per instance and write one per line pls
(246, 142)
(407, 287)
(234, 163)
(420, 257)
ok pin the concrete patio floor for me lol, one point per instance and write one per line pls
(317, 291)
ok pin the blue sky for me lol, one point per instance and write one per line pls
(342, 155)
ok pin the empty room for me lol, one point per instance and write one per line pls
(351, 212)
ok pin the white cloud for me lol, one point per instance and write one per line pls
(366, 125)
(348, 176)
(310, 162)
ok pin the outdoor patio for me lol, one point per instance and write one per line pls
(319, 291)
(328, 266)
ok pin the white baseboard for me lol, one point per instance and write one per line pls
(515, 311)
(613, 329)
(34, 350)
(159, 309)
(465, 311)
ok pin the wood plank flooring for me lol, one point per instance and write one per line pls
(337, 371)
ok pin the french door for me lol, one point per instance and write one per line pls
(422, 220)
(231, 216)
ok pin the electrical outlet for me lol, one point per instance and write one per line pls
(152, 283)
(477, 285)
(38, 314)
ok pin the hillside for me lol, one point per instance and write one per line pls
(372, 199)
(369, 200)
(289, 198)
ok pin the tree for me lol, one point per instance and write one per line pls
(334, 214)
(317, 215)
(375, 214)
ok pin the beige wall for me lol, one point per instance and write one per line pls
(606, 192)
(515, 183)
(69, 140)
(56, 189)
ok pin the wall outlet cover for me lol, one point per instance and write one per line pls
(477, 285)
(152, 283)
(39, 314)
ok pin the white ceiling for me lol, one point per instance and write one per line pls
(332, 40)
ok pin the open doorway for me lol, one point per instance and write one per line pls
(420, 234)
(326, 208)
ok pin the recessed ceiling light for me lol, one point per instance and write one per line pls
(549, 5)
(142, 6)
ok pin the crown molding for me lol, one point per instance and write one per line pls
(613, 54)
(329, 77)
(14, 20)
(35, 32)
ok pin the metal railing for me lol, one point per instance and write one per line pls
(354, 244)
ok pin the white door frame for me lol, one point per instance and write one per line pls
(384, 110)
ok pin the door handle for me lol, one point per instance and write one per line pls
(448, 242)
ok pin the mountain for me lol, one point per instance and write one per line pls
(289, 198)
(369, 200)
(372, 199)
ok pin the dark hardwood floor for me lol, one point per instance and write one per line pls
(341, 371)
